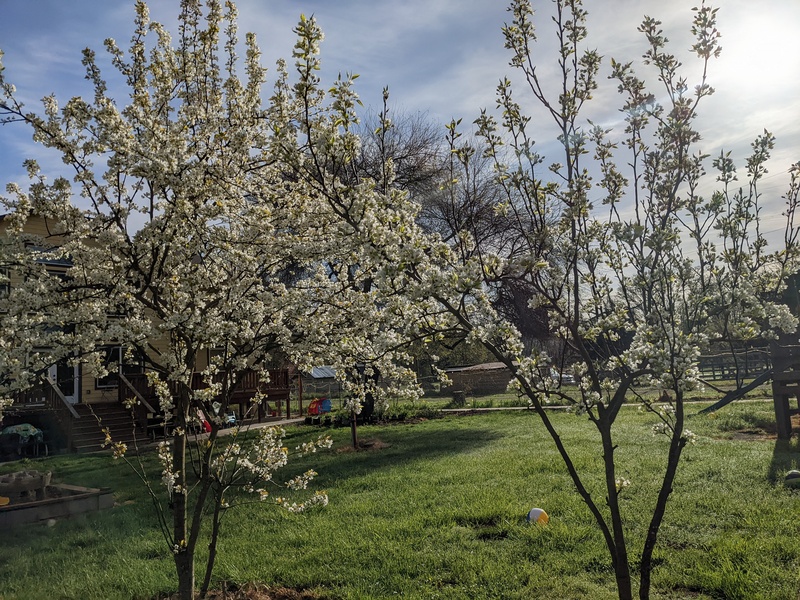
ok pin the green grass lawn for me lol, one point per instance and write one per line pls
(437, 510)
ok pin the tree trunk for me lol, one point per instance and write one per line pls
(184, 552)
(676, 448)
(212, 546)
(354, 428)
(184, 565)
(622, 574)
(619, 553)
(614, 538)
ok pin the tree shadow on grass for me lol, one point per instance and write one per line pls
(785, 457)
(404, 445)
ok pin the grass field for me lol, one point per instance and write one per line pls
(436, 509)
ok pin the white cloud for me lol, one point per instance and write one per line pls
(444, 57)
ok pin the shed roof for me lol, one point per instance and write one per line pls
(490, 366)
(323, 372)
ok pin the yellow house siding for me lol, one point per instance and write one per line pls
(38, 226)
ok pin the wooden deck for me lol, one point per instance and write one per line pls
(67, 425)
(276, 391)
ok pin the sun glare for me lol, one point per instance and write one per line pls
(760, 50)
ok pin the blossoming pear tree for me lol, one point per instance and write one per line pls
(637, 261)
(192, 223)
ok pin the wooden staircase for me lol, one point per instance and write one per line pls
(785, 354)
(87, 432)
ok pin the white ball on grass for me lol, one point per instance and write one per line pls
(537, 515)
(792, 479)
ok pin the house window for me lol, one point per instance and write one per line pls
(58, 273)
(110, 362)
(216, 356)
(114, 356)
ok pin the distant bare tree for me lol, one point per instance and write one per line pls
(410, 145)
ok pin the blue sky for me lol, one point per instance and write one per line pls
(440, 57)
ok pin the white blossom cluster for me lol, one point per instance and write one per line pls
(250, 464)
(317, 499)
(168, 475)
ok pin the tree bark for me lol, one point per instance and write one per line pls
(183, 551)
(354, 429)
(212, 546)
(676, 448)
(184, 565)
(619, 553)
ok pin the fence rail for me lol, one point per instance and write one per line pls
(741, 364)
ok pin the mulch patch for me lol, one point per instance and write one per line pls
(752, 435)
(372, 445)
(764, 431)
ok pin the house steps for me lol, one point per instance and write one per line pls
(87, 432)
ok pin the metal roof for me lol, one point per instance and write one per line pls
(323, 372)
(491, 366)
